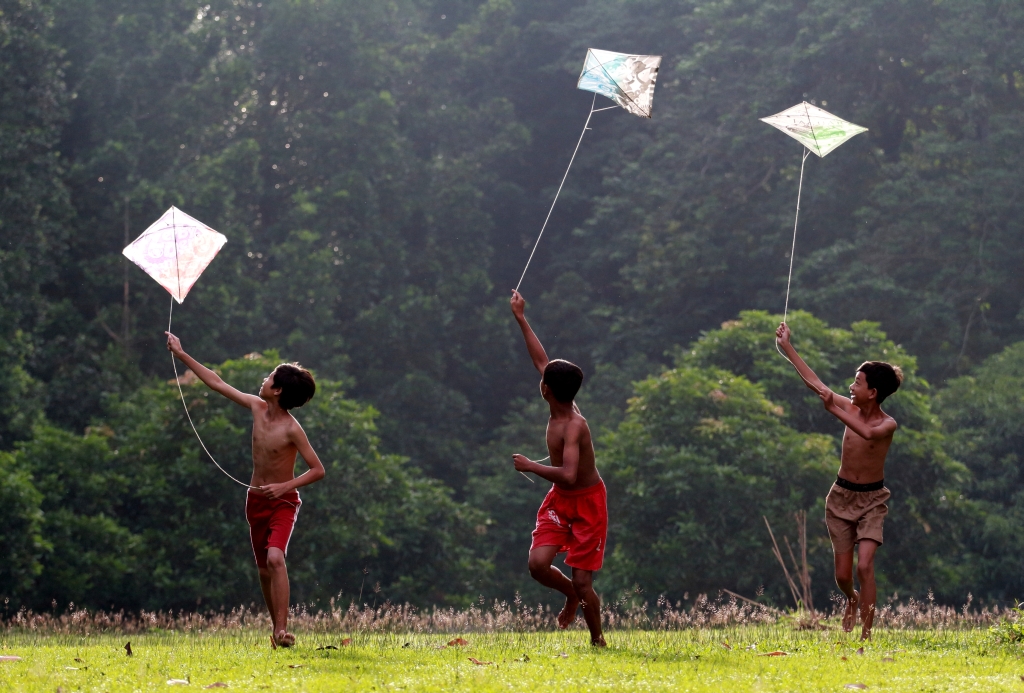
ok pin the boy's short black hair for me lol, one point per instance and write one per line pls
(296, 383)
(563, 379)
(882, 377)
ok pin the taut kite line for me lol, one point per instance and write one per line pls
(628, 80)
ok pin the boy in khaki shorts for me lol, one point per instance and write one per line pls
(855, 507)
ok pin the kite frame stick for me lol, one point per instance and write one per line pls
(559, 192)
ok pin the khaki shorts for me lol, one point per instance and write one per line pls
(854, 515)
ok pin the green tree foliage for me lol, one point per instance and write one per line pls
(22, 540)
(912, 225)
(134, 515)
(33, 201)
(985, 412)
(381, 170)
(700, 458)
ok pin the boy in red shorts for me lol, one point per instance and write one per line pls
(272, 503)
(574, 515)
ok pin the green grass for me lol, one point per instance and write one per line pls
(690, 660)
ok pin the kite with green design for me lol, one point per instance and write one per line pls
(820, 132)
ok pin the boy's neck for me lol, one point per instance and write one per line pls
(870, 409)
(561, 410)
(274, 409)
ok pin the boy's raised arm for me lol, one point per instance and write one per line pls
(533, 345)
(212, 380)
(810, 379)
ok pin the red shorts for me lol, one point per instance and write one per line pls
(576, 522)
(271, 522)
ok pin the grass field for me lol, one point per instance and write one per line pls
(681, 660)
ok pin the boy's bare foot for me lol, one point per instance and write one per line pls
(598, 641)
(567, 616)
(284, 639)
(865, 634)
(850, 615)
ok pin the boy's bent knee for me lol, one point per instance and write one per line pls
(538, 569)
(275, 559)
(866, 571)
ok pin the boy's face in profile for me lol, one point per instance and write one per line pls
(860, 393)
(267, 389)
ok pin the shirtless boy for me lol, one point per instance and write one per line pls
(574, 515)
(272, 503)
(855, 507)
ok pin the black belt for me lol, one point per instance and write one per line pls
(850, 486)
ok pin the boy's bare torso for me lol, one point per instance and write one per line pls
(558, 433)
(273, 452)
(863, 460)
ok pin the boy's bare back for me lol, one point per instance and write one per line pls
(568, 439)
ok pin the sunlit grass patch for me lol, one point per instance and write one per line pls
(699, 659)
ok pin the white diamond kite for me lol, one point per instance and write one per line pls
(628, 80)
(816, 129)
(175, 250)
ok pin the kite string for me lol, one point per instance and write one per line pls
(545, 225)
(189, 416)
(792, 250)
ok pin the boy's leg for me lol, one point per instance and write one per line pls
(268, 596)
(279, 596)
(866, 578)
(583, 585)
(548, 575)
(844, 580)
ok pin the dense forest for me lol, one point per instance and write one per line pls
(381, 169)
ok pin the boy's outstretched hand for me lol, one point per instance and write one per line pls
(518, 304)
(173, 344)
(782, 334)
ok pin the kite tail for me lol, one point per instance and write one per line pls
(792, 250)
(189, 416)
(589, 115)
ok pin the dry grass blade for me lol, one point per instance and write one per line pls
(479, 663)
(785, 570)
(776, 653)
(219, 684)
(10, 658)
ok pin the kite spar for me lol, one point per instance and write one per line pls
(628, 80)
(820, 132)
(174, 251)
